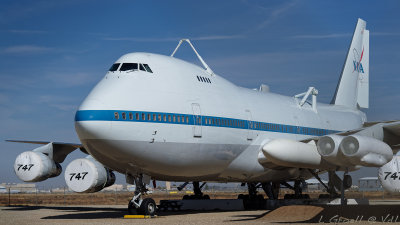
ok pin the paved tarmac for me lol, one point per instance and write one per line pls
(378, 212)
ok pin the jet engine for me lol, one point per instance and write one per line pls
(328, 148)
(87, 175)
(366, 151)
(354, 150)
(33, 166)
(389, 175)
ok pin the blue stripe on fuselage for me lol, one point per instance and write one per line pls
(190, 119)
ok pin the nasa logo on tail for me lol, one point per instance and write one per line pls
(357, 61)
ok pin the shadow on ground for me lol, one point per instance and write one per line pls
(88, 212)
(284, 214)
(330, 214)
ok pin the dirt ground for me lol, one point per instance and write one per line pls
(109, 208)
(122, 198)
(380, 213)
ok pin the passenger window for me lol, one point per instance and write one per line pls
(169, 118)
(116, 115)
(183, 119)
(165, 118)
(124, 116)
(149, 117)
(159, 117)
(128, 66)
(154, 117)
(141, 67)
(130, 116)
(187, 119)
(174, 119)
(137, 116)
(206, 121)
(143, 116)
(179, 119)
(114, 67)
(147, 68)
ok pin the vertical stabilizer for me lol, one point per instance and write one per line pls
(353, 87)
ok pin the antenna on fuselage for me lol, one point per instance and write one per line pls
(208, 69)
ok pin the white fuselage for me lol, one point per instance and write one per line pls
(221, 126)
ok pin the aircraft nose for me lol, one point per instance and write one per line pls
(93, 120)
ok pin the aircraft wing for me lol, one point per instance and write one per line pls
(386, 131)
(59, 150)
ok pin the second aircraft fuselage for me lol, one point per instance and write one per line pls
(180, 123)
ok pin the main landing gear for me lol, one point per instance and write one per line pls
(198, 194)
(298, 187)
(256, 201)
(335, 183)
(139, 205)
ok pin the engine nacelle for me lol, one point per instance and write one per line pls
(365, 151)
(389, 175)
(87, 175)
(34, 166)
(328, 148)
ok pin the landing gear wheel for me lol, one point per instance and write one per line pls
(148, 207)
(131, 208)
(347, 181)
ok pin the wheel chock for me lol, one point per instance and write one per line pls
(138, 216)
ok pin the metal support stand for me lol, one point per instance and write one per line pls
(319, 179)
(311, 91)
(208, 69)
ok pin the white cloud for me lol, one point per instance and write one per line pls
(167, 39)
(322, 36)
(339, 35)
(25, 49)
(3, 98)
(18, 31)
(71, 80)
(275, 13)
(384, 34)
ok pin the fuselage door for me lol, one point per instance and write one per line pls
(197, 120)
(250, 125)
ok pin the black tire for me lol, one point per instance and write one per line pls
(347, 181)
(288, 196)
(131, 208)
(148, 207)
(206, 197)
(324, 196)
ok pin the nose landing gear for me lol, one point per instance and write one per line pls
(138, 205)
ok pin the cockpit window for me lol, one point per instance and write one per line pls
(129, 66)
(141, 67)
(147, 68)
(114, 67)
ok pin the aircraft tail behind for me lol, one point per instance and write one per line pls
(353, 88)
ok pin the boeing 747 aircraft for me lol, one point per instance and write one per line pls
(158, 117)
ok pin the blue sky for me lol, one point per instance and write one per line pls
(53, 52)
